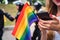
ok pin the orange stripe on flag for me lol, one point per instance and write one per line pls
(19, 20)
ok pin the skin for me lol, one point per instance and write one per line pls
(56, 2)
(50, 24)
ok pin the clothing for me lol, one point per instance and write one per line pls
(57, 35)
(2, 21)
(58, 17)
(36, 32)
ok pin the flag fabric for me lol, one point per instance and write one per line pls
(22, 28)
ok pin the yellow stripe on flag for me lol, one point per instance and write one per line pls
(22, 27)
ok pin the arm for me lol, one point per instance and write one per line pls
(43, 35)
(9, 16)
(43, 32)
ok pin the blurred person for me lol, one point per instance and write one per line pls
(2, 14)
(19, 6)
(36, 33)
(50, 29)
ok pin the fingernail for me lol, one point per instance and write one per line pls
(50, 15)
(53, 16)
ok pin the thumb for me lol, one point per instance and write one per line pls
(55, 18)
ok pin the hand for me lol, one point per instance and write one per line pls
(49, 24)
(3, 10)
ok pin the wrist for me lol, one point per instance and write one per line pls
(43, 32)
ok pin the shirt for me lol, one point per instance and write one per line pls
(57, 35)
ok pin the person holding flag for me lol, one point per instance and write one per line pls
(22, 27)
(19, 6)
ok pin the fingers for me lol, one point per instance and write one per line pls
(54, 21)
(54, 17)
(45, 21)
(43, 26)
(47, 25)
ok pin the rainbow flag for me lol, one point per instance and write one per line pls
(25, 19)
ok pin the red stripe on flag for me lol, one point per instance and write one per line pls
(19, 20)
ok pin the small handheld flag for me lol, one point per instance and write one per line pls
(25, 19)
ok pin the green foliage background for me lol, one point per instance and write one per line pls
(42, 1)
